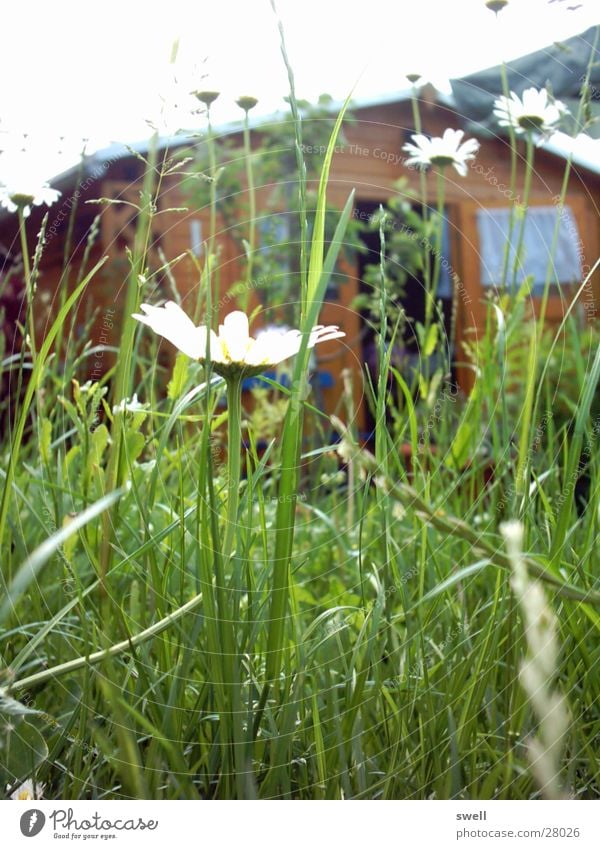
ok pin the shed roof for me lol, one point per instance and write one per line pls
(561, 67)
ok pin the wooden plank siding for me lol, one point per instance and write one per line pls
(368, 159)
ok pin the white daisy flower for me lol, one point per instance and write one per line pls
(448, 149)
(26, 792)
(233, 349)
(534, 112)
(24, 196)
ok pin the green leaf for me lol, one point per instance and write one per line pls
(410, 407)
(525, 289)
(461, 447)
(431, 340)
(30, 568)
(318, 274)
(179, 377)
(23, 750)
(134, 445)
(98, 443)
(45, 440)
(461, 444)
(12, 707)
(456, 578)
(318, 238)
(178, 410)
(70, 456)
(34, 380)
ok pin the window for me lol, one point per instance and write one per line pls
(536, 252)
(275, 245)
(444, 284)
(196, 236)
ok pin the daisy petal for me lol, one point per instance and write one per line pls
(234, 335)
(174, 325)
(324, 334)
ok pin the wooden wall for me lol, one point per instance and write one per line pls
(369, 159)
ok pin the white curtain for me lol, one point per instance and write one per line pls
(535, 255)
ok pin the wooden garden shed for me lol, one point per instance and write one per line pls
(369, 159)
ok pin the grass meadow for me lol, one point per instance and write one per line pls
(189, 612)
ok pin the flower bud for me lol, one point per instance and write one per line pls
(496, 5)
(247, 102)
(206, 97)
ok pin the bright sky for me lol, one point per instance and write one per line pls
(74, 70)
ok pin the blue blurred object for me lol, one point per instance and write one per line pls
(324, 380)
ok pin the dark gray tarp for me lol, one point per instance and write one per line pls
(560, 68)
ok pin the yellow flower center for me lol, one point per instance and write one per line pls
(531, 122)
(442, 159)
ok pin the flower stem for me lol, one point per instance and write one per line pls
(111, 651)
(212, 165)
(125, 364)
(522, 474)
(252, 212)
(525, 203)
(439, 236)
(234, 451)
(513, 182)
(227, 613)
(28, 284)
(416, 112)
(30, 315)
